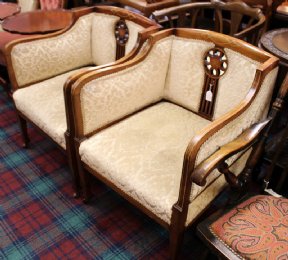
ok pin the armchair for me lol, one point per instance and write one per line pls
(158, 128)
(39, 66)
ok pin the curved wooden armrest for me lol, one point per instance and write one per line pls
(241, 143)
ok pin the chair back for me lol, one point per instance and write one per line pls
(234, 18)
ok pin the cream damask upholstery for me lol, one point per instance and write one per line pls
(137, 126)
(40, 66)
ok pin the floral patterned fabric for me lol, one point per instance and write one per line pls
(256, 229)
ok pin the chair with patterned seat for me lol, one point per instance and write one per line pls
(256, 228)
(39, 66)
(161, 125)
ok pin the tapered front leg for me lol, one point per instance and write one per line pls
(24, 132)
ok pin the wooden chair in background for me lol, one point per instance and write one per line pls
(236, 19)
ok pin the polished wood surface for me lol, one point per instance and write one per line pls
(275, 42)
(8, 9)
(280, 41)
(283, 9)
(38, 22)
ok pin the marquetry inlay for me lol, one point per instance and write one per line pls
(122, 37)
(215, 66)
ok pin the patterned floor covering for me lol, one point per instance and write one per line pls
(39, 219)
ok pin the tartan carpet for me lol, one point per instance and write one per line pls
(39, 218)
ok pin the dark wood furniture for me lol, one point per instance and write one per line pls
(257, 227)
(242, 21)
(8, 9)
(38, 22)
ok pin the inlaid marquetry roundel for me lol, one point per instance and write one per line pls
(215, 63)
(121, 32)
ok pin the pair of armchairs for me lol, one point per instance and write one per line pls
(160, 125)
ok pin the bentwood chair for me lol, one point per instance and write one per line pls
(39, 67)
(256, 228)
(233, 18)
(161, 128)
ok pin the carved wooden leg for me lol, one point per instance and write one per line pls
(24, 132)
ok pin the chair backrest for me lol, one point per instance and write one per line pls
(208, 76)
(183, 66)
(28, 5)
(98, 36)
(234, 18)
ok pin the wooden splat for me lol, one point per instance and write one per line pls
(122, 37)
(215, 66)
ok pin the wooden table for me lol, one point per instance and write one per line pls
(38, 22)
(276, 42)
(8, 9)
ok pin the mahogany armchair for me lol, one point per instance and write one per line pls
(233, 18)
(39, 66)
(161, 127)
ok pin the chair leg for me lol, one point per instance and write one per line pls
(176, 239)
(177, 228)
(24, 131)
(72, 161)
(87, 194)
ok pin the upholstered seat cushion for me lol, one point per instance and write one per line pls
(143, 154)
(256, 229)
(43, 104)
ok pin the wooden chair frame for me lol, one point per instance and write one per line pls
(149, 27)
(179, 15)
(190, 173)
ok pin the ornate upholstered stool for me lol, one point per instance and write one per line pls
(255, 229)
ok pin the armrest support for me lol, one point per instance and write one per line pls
(241, 143)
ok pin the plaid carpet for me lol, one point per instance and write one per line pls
(40, 219)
